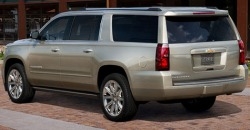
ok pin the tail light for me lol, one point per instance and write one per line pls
(241, 52)
(162, 57)
(204, 12)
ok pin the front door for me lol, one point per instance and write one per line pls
(44, 63)
(44, 59)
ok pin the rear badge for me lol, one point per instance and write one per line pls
(180, 76)
(210, 50)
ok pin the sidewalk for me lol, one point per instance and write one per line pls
(245, 92)
(22, 121)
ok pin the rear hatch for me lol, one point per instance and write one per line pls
(202, 48)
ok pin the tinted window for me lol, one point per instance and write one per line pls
(57, 29)
(199, 29)
(85, 28)
(134, 28)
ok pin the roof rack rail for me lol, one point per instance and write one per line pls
(212, 7)
(154, 9)
(132, 9)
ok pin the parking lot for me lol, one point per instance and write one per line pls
(229, 112)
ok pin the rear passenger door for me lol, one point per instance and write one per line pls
(77, 53)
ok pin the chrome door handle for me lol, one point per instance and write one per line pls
(55, 50)
(87, 50)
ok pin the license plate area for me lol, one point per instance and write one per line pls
(207, 59)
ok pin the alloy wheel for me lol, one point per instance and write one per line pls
(15, 84)
(113, 99)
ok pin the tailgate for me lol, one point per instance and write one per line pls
(202, 48)
(199, 61)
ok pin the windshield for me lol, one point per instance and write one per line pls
(199, 29)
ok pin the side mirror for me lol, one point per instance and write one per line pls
(34, 34)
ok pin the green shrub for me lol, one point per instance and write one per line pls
(1, 55)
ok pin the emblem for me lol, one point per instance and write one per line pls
(210, 50)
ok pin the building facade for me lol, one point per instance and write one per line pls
(19, 17)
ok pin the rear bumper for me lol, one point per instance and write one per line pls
(157, 86)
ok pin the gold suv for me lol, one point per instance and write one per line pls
(129, 56)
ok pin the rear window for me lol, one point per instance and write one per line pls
(199, 29)
(135, 28)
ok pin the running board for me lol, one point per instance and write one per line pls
(82, 93)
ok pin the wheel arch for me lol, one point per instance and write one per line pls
(8, 64)
(108, 69)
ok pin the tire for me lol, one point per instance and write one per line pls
(199, 104)
(18, 87)
(116, 99)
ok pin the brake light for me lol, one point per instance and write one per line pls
(241, 52)
(162, 57)
(204, 13)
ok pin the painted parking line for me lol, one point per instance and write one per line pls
(23, 121)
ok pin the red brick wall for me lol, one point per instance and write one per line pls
(111, 3)
(242, 19)
(63, 6)
(21, 20)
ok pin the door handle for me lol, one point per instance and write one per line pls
(55, 50)
(87, 50)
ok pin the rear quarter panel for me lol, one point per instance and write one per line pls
(132, 57)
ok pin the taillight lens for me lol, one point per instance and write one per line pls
(204, 12)
(162, 57)
(241, 52)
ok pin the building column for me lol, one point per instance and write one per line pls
(21, 20)
(63, 6)
(242, 19)
(111, 3)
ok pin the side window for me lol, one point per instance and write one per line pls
(135, 28)
(86, 27)
(57, 29)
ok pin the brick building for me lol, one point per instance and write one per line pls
(19, 17)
